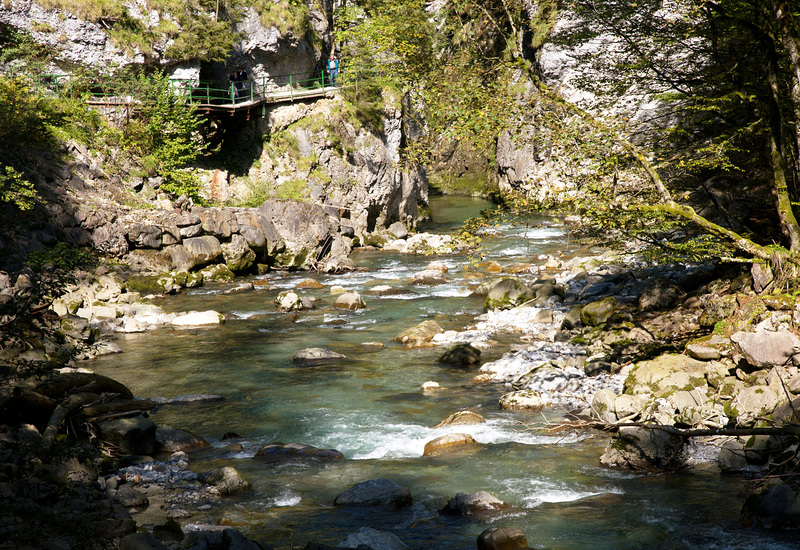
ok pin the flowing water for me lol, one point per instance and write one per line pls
(370, 408)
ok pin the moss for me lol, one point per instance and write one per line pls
(146, 284)
(294, 189)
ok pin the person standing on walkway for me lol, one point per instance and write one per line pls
(333, 68)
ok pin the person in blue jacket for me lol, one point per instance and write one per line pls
(333, 68)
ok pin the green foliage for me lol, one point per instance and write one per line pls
(15, 189)
(295, 189)
(164, 134)
(288, 16)
(19, 49)
(385, 40)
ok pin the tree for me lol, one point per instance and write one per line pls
(729, 70)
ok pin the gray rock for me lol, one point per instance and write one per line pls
(774, 508)
(376, 492)
(238, 255)
(351, 301)
(132, 436)
(290, 300)
(572, 319)
(703, 353)
(203, 250)
(170, 234)
(549, 378)
(218, 222)
(171, 440)
(142, 235)
(130, 497)
(658, 293)
(196, 399)
(762, 276)
(765, 348)
(751, 403)
(398, 230)
(304, 228)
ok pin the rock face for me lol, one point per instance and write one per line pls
(377, 492)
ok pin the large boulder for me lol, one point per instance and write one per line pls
(171, 440)
(449, 443)
(131, 436)
(549, 378)
(471, 504)
(752, 403)
(644, 450)
(502, 538)
(666, 372)
(218, 222)
(226, 481)
(292, 301)
(775, 507)
(461, 355)
(375, 492)
(765, 349)
(350, 301)
(508, 293)
(142, 235)
(292, 452)
(305, 229)
(524, 400)
(202, 250)
(597, 313)
(238, 255)
(419, 335)
(658, 294)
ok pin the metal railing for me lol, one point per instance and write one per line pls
(122, 90)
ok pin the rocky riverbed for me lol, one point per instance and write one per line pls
(687, 346)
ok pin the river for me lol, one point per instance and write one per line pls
(370, 408)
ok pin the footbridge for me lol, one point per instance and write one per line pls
(244, 96)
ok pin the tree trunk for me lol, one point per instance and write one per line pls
(780, 9)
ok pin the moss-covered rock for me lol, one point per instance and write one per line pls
(218, 272)
(508, 293)
(597, 313)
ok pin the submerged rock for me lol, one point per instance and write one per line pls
(226, 481)
(280, 452)
(367, 537)
(419, 335)
(376, 492)
(313, 356)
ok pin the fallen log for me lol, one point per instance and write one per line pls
(121, 406)
(61, 412)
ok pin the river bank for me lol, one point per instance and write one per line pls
(536, 335)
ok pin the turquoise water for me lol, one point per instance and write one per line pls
(370, 408)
